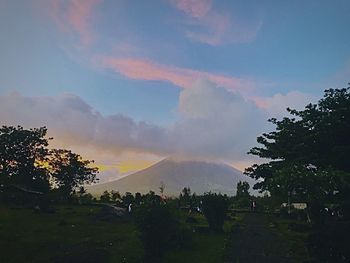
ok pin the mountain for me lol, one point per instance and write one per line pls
(200, 176)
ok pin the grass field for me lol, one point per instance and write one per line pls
(72, 233)
(207, 246)
(296, 239)
(77, 234)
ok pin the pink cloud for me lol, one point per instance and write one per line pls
(211, 26)
(193, 8)
(142, 69)
(75, 16)
(213, 29)
(206, 25)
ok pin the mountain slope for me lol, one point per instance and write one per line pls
(200, 176)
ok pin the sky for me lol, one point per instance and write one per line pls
(128, 83)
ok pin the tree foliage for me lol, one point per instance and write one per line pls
(105, 197)
(23, 154)
(242, 198)
(242, 190)
(69, 171)
(214, 208)
(308, 152)
(185, 196)
(115, 195)
(159, 228)
(157, 225)
(27, 163)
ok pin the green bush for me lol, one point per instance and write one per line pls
(214, 208)
(159, 230)
(105, 197)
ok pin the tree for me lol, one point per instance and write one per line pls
(242, 190)
(214, 208)
(161, 188)
(138, 198)
(128, 198)
(242, 197)
(308, 152)
(186, 195)
(105, 197)
(115, 195)
(23, 155)
(69, 171)
(193, 201)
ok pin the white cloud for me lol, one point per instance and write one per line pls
(276, 105)
(72, 122)
(215, 124)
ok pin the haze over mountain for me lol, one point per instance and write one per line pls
(200, 176)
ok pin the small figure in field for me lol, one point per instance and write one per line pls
(130, 208)
(253, 205)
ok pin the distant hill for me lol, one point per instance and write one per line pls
(200, 176)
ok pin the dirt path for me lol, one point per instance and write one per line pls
(255, 241)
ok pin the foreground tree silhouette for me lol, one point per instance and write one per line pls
(23, 154)
(27, 164)
(70, 172)
(308, 152)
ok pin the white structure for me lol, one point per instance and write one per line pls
(298, 206)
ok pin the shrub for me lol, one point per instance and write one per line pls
(214, 209)
(159, 230)
(86, 198)
(105, 197)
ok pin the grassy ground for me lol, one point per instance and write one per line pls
(207, 246)
(296, 239)
(266, 238)
(72, 234)
(77, 234)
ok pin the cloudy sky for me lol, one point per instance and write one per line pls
(128, 83)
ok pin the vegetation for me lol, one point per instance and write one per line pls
(308, 152)
(308, 162)
(159, 229)
(91, 233)
(214, 209)
(69, 171)
(185, 196)
(242, 198)
(23, 154)
(73, 233)
(105, 197)
(30, 168)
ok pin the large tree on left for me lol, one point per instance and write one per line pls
(23, 156)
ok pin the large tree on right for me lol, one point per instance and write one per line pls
(308, 153)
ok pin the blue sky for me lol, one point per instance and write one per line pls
(164, 65)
